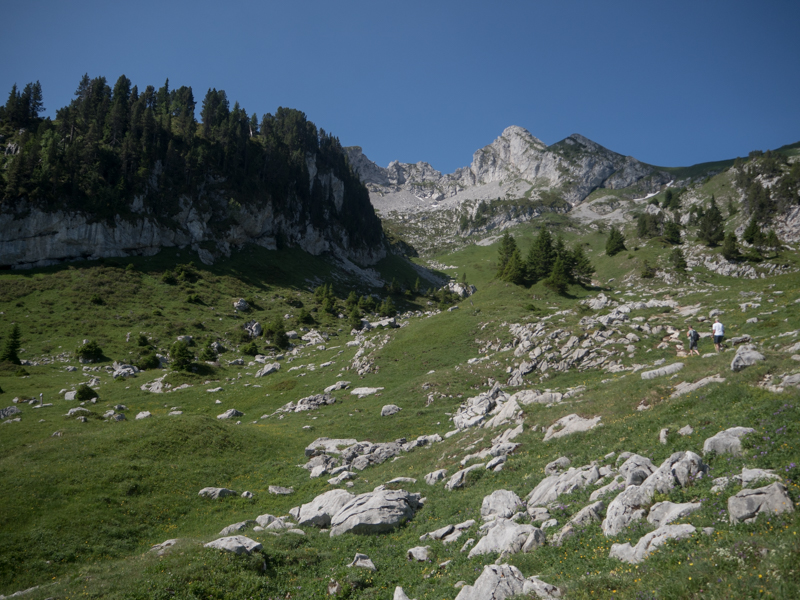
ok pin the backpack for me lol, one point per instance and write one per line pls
(695, 336)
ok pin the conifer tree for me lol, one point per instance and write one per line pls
(582, 268)
(711, 230)
(615, 242)
(559, 276)
(541, 256)
(507, 246)
(751, 231)
(677, 260)
(13, 344)
(672, 232)
(730, 247)
(515, 269)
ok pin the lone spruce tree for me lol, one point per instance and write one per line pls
(541, 256)
(507, 247)
(711, 230)
(12, 347)
(615, 242)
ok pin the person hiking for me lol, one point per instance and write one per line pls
(694, 337)
(719, 332)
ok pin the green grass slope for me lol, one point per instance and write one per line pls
(81, 509)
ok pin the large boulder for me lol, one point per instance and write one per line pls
(550, 488)
(748, 504)
(216, 493)
(268, 369)
(504, 536)
(375, 512)
(746, 356)
(569, 425)
(498, 582)
(319, 511)
(238, 544)
(648, 543)
(728, 441)
(501, 504)
(389, 410)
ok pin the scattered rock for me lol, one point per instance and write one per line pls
(746, 356)
(363, 392)
(363, 561)
(389, 410)
(319, 511)
(727, 442)
(746, 505)
(557, 466)
(569, 425)
(418, 553)
(648, 543)
(504, 536)
(460, 477)
(498, 582)
(280, 491)
(230, 414)
(375, 512)
(142, 415)
(435, 476)
(664, 513)
(162, 548)
(662, 371)
(268, 369)
(236, 527)
(238, 544)
(216, 493)
(500, 504)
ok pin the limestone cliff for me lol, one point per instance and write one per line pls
(35, 236)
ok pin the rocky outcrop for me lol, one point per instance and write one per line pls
(498, 582)
(34, 237)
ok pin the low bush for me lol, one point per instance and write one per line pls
(84, 393)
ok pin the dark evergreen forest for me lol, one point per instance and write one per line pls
(111, 145)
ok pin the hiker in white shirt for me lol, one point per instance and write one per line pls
(719, 332)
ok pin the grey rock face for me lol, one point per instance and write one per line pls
(238, 544)
(648, 543)
(216, 493)
(501, 504)
(498, 582)
(727, 442)
(375, 512)
(748, 504)
(746, 356)
(319, 511)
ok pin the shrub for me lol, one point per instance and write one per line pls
(648, 272)
(193, 299)
(304, 317)
(148, 361)
(21, 372)
(141, 341)
(208, 354)
(250, 349)
(84, 393)
(97, 300)
(277, 333)
(169, 278)
(89, 352)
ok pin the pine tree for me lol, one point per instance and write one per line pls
(677, 260)
(507, 246)
(672, 232)
(751, 231)
(180, 356)
(13, 344)
(615, 242)
(582, 268)
(711, 230)
(773, 242)
(558, 280)
(541, 256)
(515, 269)
(730, 247)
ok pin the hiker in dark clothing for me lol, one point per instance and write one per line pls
(694, 337)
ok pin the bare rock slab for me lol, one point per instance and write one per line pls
(649, 543)
(216, 493)
(498, 582)
(569, 425)
(238, 544)
(375, 512)
(748, 504)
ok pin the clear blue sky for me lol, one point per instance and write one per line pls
(671, 83)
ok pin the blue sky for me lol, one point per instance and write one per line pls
(671, 83)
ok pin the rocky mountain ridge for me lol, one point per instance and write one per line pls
(516, 164)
